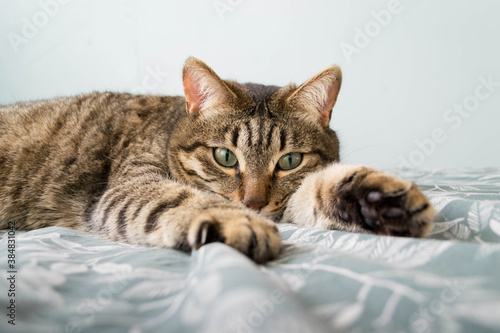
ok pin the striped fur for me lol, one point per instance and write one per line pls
(141, 169)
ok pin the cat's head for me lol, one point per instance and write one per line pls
(253, 143)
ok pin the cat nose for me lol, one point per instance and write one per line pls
(255, 205)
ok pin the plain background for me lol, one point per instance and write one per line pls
(398, 86)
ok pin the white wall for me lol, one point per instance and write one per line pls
(397, 90)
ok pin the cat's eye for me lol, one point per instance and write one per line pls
(225, 157)
(290, 161)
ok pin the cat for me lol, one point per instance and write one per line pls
(224, 163)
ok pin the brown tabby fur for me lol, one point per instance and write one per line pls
(140, 169)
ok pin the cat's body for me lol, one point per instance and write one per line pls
(218, 165)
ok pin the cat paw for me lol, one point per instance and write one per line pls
(382, 204)
(255, 236)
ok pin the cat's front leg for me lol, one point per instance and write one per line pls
(360, 199)
(160, 212)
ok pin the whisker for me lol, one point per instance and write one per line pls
(360, 149)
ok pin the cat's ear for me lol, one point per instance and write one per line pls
(203, 89)
(319, 94)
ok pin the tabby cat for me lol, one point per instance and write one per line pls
(222, 164)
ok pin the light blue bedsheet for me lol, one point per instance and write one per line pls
(324, 281)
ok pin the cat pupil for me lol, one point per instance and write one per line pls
(225, 157)
(290, 161)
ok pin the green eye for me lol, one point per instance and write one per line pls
(290, 161)
(225, 157)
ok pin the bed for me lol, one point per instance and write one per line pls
(324, 281)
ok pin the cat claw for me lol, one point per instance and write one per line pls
(203, 233)
(207, 233)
